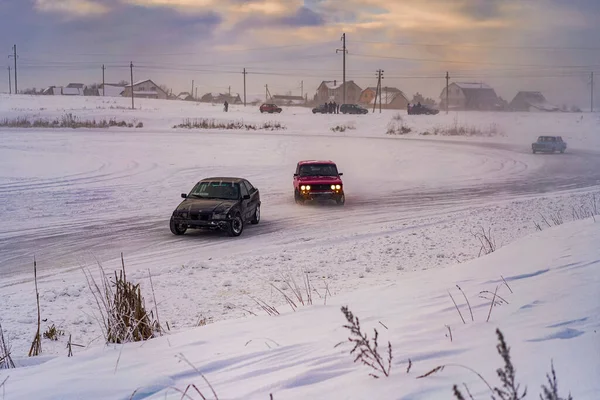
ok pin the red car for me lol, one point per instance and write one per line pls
(318, 180)
(270, 108)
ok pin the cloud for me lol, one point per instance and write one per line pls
(72, 7)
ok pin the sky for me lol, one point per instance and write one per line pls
(290, 45)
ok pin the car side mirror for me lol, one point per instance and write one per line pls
(341, 173)
(246, 197)
(295, 175)
(183, 196)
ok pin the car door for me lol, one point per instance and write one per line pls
(244, 202)
(254, 199)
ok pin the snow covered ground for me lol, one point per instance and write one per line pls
(74, 198)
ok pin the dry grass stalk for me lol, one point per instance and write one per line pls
(123, 316)
(158, 325)
(487, 241)
(449, 332)
(468, 304)
(499, 299)
(70, 345)
(6, 361)
(52, 333)
(504, 280)
(36, 344)
(440, 368)
(409, 366)
(181, 357)
(492, 305)
(457, 309)
(269, 309)
(368, 353)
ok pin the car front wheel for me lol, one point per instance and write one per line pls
(236, 226)
(177, 229)
(341, 200)
(256, 218)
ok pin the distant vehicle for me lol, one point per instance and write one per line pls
(422, 109)
(270, 108)
(218, 204)
(353, 109)
(318, 180)
(549, 144)
(320, 109)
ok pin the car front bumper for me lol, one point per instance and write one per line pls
(202, 224)
(321, 194)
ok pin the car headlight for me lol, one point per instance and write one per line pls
(338, 187)
(332, 187)
(217, 216)
(307, 187)
(183, 215)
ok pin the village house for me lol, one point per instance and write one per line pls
(391, 98)
(185, 96)
(334, 91)
(470, 96)
(284, 100)
(145, 89)
(111, 90)
(531, 101)
(52, 91)
(221, 98)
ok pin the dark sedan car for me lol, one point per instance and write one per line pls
(353, 109)
(218, 203)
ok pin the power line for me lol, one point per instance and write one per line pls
(486, 46)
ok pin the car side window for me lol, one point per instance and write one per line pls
(243, 190)
(249, 186)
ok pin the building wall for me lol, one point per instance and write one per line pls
(367, 96)
(456, 97)
(147, 86)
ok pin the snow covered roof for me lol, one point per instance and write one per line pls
(389, 99)
(145, 93)
(76, 85)
(140, 82)
(472, 85)
(332, 85)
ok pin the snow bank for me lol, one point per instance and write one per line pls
(553, 313)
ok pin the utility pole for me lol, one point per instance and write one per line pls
(192, 92)
(196, 97)
(14, 55)
(245, 73)
(9, 82)
(378, 90)
(447, 84)
(103, 85)
(344, 52)
(267, 94)
(302, 89)
(131, 69)
(229, 90)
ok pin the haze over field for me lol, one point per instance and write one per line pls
(513, 45)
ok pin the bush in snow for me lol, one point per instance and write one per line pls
(65, 121)
(52, 333)
(6, 361)
(397, 126)
(509, 389)
(366, 350)
(123, 315)
(343, 128)
(206, 123)
(456, 129)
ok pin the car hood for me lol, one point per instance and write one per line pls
(205, 205)
(330, 180)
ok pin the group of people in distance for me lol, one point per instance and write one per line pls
(332, 107)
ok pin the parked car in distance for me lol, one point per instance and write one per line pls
(422, 109)
(353, 109)
(218, 204)
(548, 144)
(320, 109)
(270, 108)
(318, 180)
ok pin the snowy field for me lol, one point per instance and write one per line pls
(76, 198)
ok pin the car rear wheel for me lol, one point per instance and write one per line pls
(236, 226)
(177, 229)
(256, 218)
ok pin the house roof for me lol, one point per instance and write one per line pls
(389, 99)
(472, 85)
(285, 97)
(333, 85)
(534, 99)
(140, 82)
(76, 85)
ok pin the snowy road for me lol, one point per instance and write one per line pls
(72, 197)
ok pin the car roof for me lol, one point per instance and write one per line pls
(223, 179)
(304, 162)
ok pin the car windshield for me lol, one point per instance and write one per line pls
(318, 170)
(216, 190)
(546, 139)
